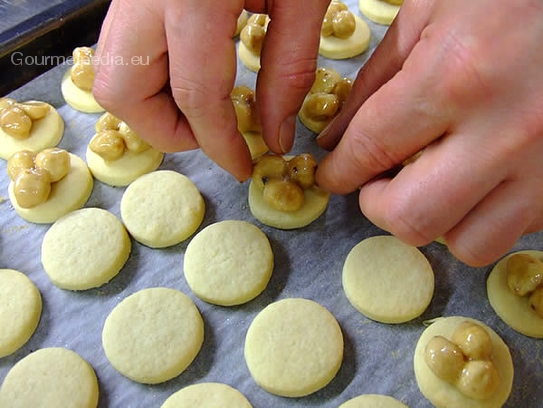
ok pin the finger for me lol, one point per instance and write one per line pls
(132, 75)
(289, 61)
(203, 70)
(384, 63)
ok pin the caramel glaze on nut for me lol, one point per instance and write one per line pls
(16, 119)
(244, 102)
(338, 21)
(465, 360)
(82, 72)
(283, 181)
(33, 174)
(252, 35)
(525, 278)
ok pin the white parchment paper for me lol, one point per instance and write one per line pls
(308, 263)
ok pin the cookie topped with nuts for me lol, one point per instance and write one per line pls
(116, 155)
(380, 11)
(251, 41)
(30, 125)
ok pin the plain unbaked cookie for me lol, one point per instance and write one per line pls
(162, 208)
(85, 249)
(343, 48)
(46, 132)
(514, 310)
(77, 98)
(20, 310)
(228, 263)
(379, 11)
(50, 378)
(444, 394)
(68, 194)
(388, 280)
(294, 347)
(165, 332)
(373, 401)
(207, 395)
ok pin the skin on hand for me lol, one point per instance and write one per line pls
(463, 81)
(180, 99)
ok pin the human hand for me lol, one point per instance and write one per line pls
(463, 81)
(179, 98)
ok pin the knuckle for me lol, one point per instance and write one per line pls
(368, 152)
(407, 224)
(193, 98)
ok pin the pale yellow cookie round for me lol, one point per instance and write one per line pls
(514, 310)
(373, 401)
(126, 169)
(50, 378)
(68, 194)
(20, 310)
(387, 280)
(342, 48)
(294, 347)
(162, 208)
(207, 395)
(85, 249)
(379, 11)
(444, 394)
(248, 58)
(228, 263)
(165, 332)
(46, 132)
(77, 98)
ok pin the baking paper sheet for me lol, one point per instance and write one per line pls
(308, 263)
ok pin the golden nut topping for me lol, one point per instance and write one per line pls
(524, 273)
(252, 35)
(302, 170)
(478, 380)
(321, 106)
(338, 21)
(473, 340)
(82, 72)
(444, 358)
(56, 161)
(269, 167)
(107, 121)
(244, 102)
(395, 2)
(132, 141)
(32, 187)
(108, 144)
(20, 161)
(34, 109)
(283, 195)
(5, 102)
(536, 301)
(326, 80)
(343, 89)
(15, 122)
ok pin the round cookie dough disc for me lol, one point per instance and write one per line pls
(164, 330)
(46, 132)
(20, 310)
(514, 310)
(444, 394)
(387, 280)
(379, 11)
(77, 98)
(228, 263)
(162, 208)
(294, 347)
(207, 395)
(126, 169)
(373, 401)
(68, 194)
(50, 378)
(85, 249)
(339, 48)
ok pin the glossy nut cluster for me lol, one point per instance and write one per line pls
(525, 278)
(252, 35)
(33, 174)
(327, 95)
(338, 21)
(82, 73)
(16, 119)
(244, 102)
(284, 181)
(114, 138)
(465, 361)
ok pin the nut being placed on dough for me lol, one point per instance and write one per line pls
(464, 360)
(244, 102)
(107, 121)
(82, 72)
(132, 141)
(268, 167)
(524, 273)
(283, 194)
(32, 187)
(55, 161)
(301, 169)
(252, 35)
(536, 301)
(108, 144)
(338, 21)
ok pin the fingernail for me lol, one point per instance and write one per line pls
(326, 130)
(286, 132)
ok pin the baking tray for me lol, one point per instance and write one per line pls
(308, 263)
